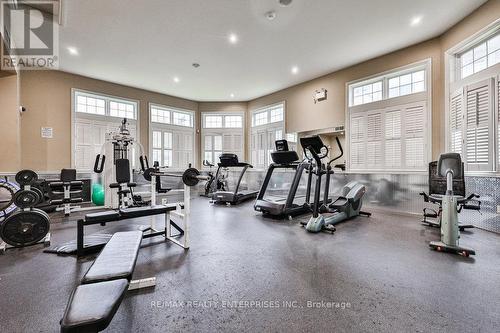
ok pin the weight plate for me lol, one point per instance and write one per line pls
(7, 191)
(26, 198)
(189, 177)
(39, 193)
(147, 174)
(25, 177)
(25, 228)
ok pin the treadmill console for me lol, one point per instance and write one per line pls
(281, 145)
(229, 159)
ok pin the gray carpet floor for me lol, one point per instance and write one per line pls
(247, 273)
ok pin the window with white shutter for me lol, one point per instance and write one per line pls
(393, 138)
(95, 115)
(478, 109)
(393, 134)
(473, 83)
(171, 136)
(268, 125)
(222, 133)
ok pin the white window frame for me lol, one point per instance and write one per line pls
(221, 131)
(455, 83)
(106, 118)
(483, 39)
(401, 101)
(170, 127)
(385, 77)
(268, 128)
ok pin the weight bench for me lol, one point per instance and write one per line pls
(93, 304)
(129, 213)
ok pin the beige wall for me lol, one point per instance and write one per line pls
(47, 98)
(10, 152)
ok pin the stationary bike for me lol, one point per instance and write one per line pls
(449, 166)
(342, 208)
(214, 185)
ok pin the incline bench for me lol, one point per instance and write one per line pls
(129, 213)
(95, 301)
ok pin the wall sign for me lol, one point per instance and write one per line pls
(47, 132)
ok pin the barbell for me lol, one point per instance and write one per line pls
(190, 177)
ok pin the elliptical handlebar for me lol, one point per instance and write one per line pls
(341, 151)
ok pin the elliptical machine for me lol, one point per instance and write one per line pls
(344, 207)
(449, 166)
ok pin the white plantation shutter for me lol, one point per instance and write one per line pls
(374, 141)
(261, 149)
(254, 144)
(177, 155)
(456, 122)
(227, 143)
(237, 140)
(498, 115)
(478, 109)
(357, 141)
(393, 139)
(414, 124)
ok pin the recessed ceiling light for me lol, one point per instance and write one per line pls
(72, 50)
(416, 21)
(285, 3)
(196, 65)
(232, 95)
(233, 38)
(176, 79)
(295, 70)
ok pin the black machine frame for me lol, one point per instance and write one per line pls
(288, 208)
(232, 197)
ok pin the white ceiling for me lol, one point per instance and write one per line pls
(147, 43)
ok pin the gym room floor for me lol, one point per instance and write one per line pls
(380, 267)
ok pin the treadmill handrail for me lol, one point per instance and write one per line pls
(242, 173)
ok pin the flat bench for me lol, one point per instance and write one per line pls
(130, 213)
(93, 304)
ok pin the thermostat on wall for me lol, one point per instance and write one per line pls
(47, 132)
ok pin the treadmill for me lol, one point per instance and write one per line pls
(284, 206)
(232, 197)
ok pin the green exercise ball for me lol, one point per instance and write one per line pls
(98, 195)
